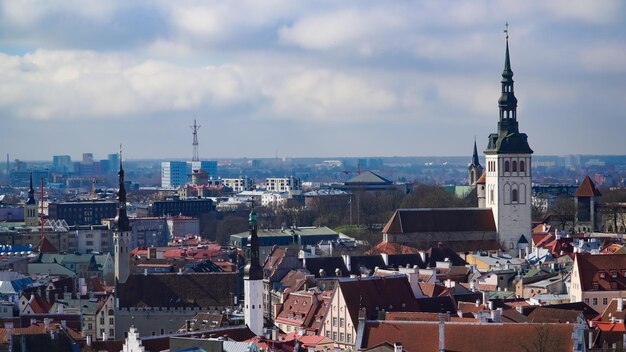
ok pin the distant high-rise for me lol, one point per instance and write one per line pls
(62, 163)
(209, 166)
(173, 174)
(114, 160)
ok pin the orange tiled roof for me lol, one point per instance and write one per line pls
(587, 189)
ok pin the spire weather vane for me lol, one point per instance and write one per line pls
(506, 30)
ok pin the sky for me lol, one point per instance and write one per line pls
(306, 78)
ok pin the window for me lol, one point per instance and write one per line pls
(341, 322)
(102, 321)
(349, 338)
(586, 300)
(328, 334)
(613, 286)
(595, 286)
(521, 166)
(602, 274)
(334, 321)
(335, 335)
(111, 333)
(514, 196)
(342, 336)
(594, 301)
(605, 301)
(614, 274)
(514, 166)
(506, 166)
(111, 321)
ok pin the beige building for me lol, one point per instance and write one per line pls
(367, 297)
(598, 279)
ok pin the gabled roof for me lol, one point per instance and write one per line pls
(173, 290)
(368, 177)
(587, 189)
(327, 264)
(600, 269)
(482, 179)
(45, 246)
(375, 294)
(440, 220)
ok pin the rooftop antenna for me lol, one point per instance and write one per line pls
(195, 128)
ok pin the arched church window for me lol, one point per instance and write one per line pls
(514, 196)
(514, 166)
(521, 166)
(506, 166)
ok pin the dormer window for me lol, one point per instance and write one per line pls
(602, 274)
(613, 285)
(614, 274)
(595, 286)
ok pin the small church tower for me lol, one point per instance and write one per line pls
(30, 208)
(586, 201)
(475, 169)
(508, 163)
(253, 281)
(121, 233)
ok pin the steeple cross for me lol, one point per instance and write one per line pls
(506, 30)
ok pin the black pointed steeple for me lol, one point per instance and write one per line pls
(475, 161)
(122, 223)
(508, 139)
(253, 270)
(31, 192)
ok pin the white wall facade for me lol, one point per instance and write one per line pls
(253, 305)
(508, 194)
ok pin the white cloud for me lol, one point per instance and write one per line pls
(331, 96)
(78, 84)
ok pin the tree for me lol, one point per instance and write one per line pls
(427, 196)
(614, 208)
(564, 210)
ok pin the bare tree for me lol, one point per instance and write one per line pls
(563, 210)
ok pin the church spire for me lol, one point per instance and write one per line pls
(475, 161)
(253, 269)
(121, 220)
(31, 192)
(507, 101)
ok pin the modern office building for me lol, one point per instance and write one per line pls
(173, 174)
(209, 166)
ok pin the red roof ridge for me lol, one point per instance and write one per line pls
(587, 189)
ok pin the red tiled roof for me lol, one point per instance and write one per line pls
(424, 336)
(440, 220)
(390, 294)
(600, 269)
(482, 179)
(45, 246)
(587, 189)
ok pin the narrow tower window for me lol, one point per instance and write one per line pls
(514, 166)
(521, 166)
(514, 197)
(506, 166)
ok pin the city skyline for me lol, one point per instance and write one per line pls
(306, 79)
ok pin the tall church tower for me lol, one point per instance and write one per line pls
(30, 208)
(475, 169)
(508, 176)
(253, 282)
(121, 233)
